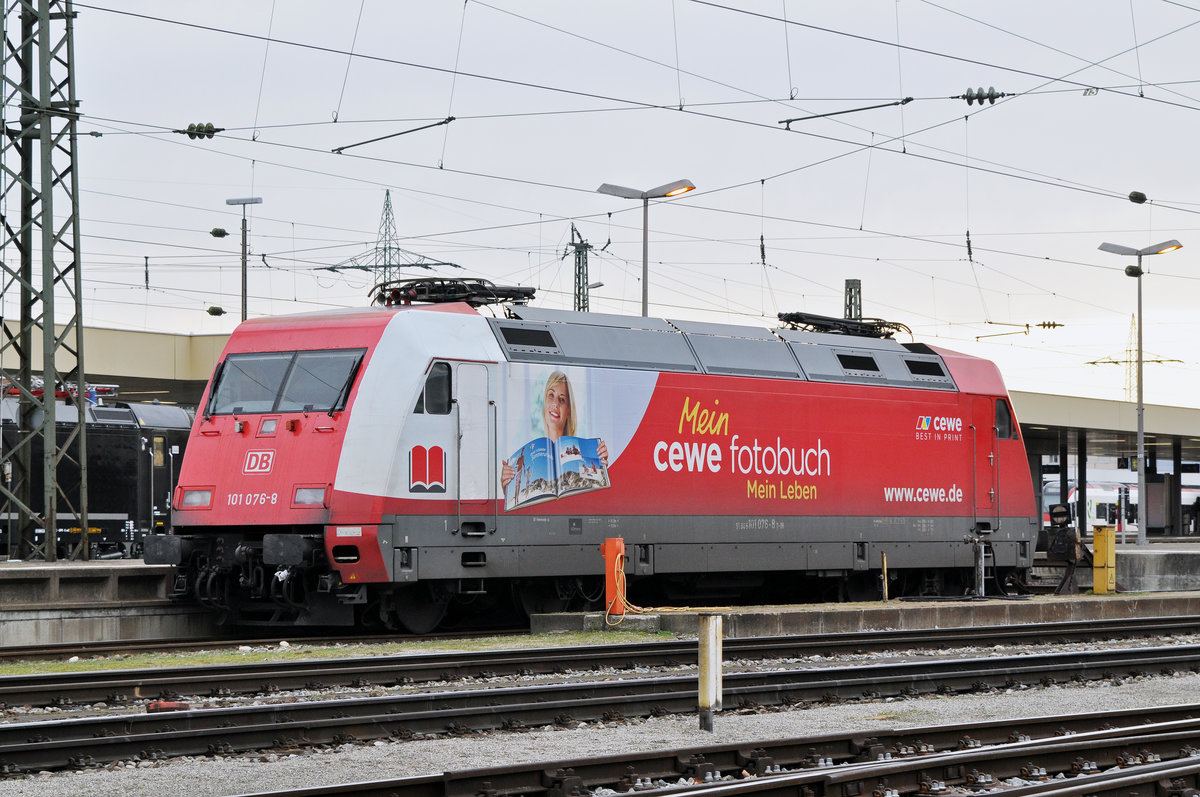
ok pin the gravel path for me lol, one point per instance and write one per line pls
(231, 775)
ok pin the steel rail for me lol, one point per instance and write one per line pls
(130, 685)
(51, 744)
(980, 759)
(867, 640)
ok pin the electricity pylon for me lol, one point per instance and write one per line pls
(38, 177)
(388, 257)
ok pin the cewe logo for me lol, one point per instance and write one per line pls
(259, 461)
(923, 422)
(427, 469)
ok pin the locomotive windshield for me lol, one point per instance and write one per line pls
(284, 381)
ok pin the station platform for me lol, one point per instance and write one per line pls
(117, 599)
(1161, 579)
(122, 599)
(833, 618)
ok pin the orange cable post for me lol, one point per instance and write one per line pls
(613, 550)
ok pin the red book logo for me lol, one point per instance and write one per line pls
(427, 469)
(258, 461)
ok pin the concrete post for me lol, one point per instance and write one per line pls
(710, 669)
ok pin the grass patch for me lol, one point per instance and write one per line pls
(311, 650)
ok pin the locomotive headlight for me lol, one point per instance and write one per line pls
(196, 499)
(310, 496)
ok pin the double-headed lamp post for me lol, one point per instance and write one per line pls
(243, 201)
(661, 192)
(1136, 271)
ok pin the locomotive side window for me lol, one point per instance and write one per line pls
(435, 398)
(159, 452)
(285, 381)
(1005, 429)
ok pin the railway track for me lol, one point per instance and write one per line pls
(55, 744)
(1083, 630)
(1143, 752)
(133, 685)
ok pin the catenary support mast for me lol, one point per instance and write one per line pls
(38, 180)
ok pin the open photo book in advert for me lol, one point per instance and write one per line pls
(545, 469)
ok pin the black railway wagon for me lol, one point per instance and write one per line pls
(133, 455)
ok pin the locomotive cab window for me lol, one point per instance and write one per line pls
(1005, 428)
(285, 381)
(319, 381)
(434, 398)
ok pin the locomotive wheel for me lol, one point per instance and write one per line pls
(420, 609)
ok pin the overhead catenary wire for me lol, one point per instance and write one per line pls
(349, 60)
(262, 76)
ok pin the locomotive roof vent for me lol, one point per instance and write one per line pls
(438, 290)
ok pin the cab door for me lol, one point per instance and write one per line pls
(986, 466)
(475, 418)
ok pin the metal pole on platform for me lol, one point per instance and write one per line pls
(243, 201)
(1143, 515)
(710, 669)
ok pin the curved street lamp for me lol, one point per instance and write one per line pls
(1136, 271)
(661, 192)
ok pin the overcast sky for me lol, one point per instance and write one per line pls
(551, 99)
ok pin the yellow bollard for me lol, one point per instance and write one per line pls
(1104, 560)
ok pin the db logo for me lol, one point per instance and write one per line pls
(259, 461)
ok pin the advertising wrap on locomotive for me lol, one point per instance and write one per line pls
(382, 464)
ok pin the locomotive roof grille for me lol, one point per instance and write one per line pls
(528, 337)
(924, 367)
(858, 362)
(541, 335)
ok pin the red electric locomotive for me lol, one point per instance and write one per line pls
(378, 464)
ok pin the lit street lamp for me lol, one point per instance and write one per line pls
(250, 200)
(661, 192)
(1136, 271)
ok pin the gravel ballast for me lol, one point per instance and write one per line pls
(239, 774)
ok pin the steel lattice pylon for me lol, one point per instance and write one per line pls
(388, 257)
(581, 248)
(853, 309)
(38, 177)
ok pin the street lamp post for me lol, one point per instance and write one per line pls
(661, 192)
(250, 200)
(1136, 271)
